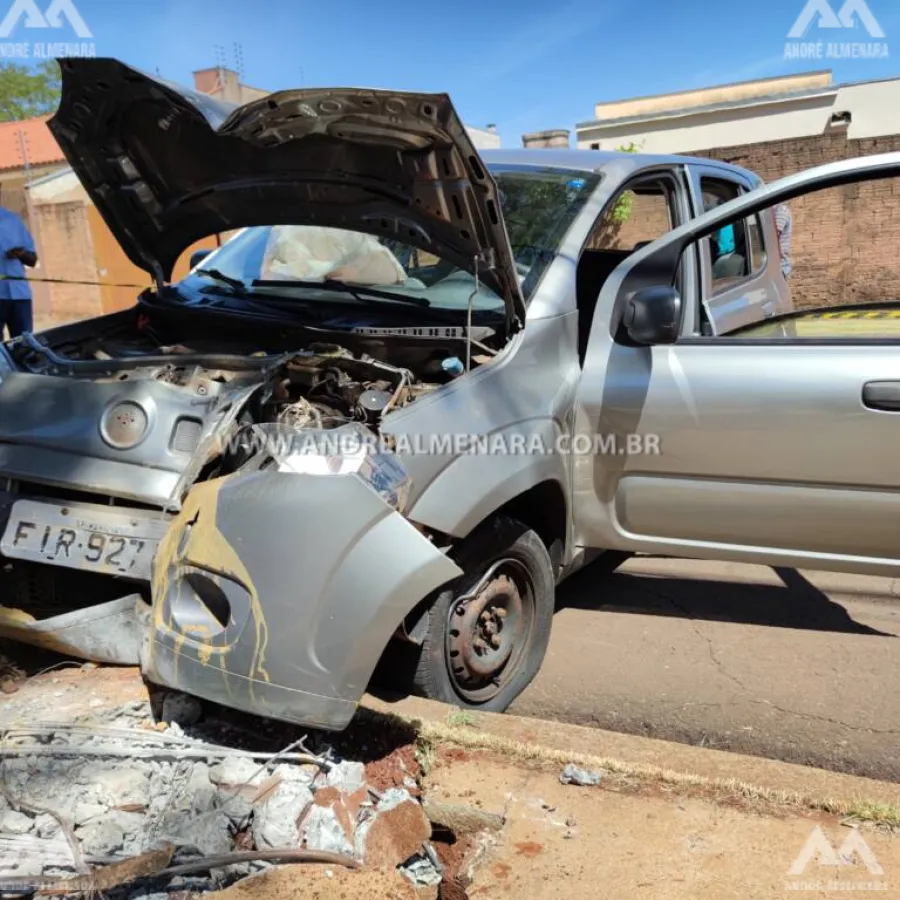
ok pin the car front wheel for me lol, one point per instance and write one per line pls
(486, 635)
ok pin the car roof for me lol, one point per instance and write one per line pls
(597, 160)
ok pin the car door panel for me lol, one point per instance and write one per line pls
(751, 298)
(769, 450)
(760, 448)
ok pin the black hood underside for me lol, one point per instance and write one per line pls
(167, 166)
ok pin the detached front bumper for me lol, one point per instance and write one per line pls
(276, 593)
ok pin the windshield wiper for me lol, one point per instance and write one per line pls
(235, 283)
(358, 292)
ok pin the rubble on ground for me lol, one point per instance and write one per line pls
(114, 785)
(572, 774)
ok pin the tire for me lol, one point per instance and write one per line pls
(455, 631)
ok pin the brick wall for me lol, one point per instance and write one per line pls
(648, 219)
(844, 239)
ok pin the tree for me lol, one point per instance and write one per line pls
(26, 92)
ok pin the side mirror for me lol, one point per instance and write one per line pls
(198, 256)
(653, 315)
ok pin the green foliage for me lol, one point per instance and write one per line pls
(622, 210)
(26, 92)
(426, 754)
(461, 718)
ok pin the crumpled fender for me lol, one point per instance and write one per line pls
(476, 485)
(281, 591)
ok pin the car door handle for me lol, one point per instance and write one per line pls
(882, 395)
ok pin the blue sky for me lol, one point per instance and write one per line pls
(524, 65)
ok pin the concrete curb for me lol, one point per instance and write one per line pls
(767, 774)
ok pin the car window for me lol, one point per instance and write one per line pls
(736, 251)
(636, 217)
(833, 273)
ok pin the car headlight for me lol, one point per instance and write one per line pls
(348, 450)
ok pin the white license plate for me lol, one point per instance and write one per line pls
(95, 538)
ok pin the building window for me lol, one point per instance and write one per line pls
(595, 146)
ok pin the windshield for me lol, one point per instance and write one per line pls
(539, 205)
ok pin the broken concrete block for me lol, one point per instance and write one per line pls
(100, 838)
(46, 826)
(421, 870)
(345, 807)
(133, 825)
(275, 818)
(12, 822)
(199, 794)
(85, 811)
(210, 833)
(119, 786)
(396, 831)
(571, 774)
(346, 776)
(323, 830)
(237, 770)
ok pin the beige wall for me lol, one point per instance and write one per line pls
(66, 252)
(726, 93)
(874, 108)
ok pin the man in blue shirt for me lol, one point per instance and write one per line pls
(16, 252)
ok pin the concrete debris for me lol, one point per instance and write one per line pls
(424, 869)
(322, 830)
(462, 819)
(12, 822)
(125, 785)
(85, 811)
(275, 818)
(46, 826)
(236, 772)
(394, 833)
(100, 838)
(346, 776)
(571, 774)
(118, 786)
(209, 834)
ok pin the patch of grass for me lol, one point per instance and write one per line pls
(426, 756)
(876, 813)
(461, 718)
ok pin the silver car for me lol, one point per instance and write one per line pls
(419, 388)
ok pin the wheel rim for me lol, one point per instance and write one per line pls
(488, 631)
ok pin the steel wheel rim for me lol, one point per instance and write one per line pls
(488, 631)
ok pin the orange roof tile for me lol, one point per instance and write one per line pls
(39, 146)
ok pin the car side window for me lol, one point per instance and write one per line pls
(638, 216)
(736, 251)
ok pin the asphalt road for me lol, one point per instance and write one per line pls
(798, 666)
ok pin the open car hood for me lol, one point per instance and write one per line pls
(166, 166)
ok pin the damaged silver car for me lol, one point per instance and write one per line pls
(258, 482)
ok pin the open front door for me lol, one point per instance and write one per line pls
(774, 442)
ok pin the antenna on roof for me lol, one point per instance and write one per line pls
(219, 53)
(239, 60)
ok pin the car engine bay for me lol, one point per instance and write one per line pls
(167, 393)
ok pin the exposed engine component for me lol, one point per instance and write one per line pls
(373, 402)
(327, 387)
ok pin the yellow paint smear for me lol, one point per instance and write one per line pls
(207, 548)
